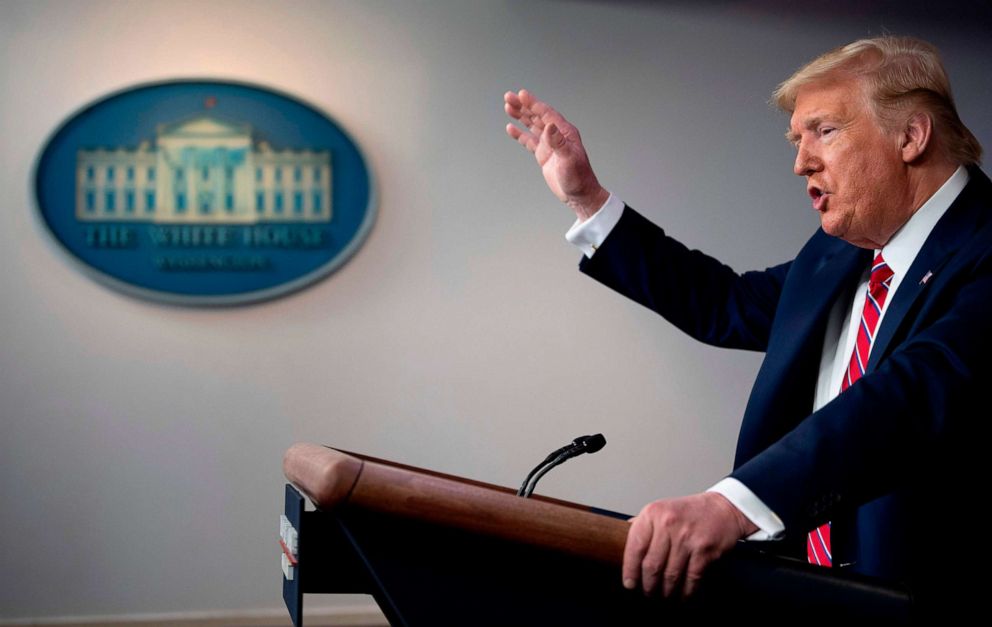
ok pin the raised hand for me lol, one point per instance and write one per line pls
(558, 149)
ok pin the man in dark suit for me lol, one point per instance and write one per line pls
(859, 446)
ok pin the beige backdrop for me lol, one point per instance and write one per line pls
(140, 444)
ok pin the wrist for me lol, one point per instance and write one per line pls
(744, 524)
(587, 205)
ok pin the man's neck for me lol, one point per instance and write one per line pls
(926, 180)
(922, 182)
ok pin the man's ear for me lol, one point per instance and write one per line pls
(916, 136)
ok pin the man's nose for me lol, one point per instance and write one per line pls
(806, 162)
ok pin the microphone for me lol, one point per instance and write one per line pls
(578, 446)
(588, 444)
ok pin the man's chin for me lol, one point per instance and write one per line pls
(832, 226)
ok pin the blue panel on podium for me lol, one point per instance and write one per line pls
(292, 592)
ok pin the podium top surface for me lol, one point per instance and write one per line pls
(334, 479)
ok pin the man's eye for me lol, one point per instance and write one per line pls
(827, 130)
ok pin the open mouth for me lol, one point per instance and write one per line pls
(818, 196)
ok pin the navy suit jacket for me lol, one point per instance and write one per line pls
(895, 461)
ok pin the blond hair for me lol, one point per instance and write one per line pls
(897, 74)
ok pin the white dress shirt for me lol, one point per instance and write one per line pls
(842, 324)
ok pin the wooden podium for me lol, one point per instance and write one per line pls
(435, 549)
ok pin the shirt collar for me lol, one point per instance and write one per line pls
(901, 249)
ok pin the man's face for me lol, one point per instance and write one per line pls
(854, 169)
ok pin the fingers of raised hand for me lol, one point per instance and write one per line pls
(533, 113)
(529, 137)
(535, 106)
(526, 139)
(514, 108)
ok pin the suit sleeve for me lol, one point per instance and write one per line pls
(701, 296)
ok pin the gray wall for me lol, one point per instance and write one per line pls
(140, 445)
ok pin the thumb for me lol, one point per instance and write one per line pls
(555, 138)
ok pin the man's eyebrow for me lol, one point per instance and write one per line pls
(809, 123)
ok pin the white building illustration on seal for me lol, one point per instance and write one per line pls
(203, 170)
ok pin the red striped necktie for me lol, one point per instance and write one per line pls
(818, 540)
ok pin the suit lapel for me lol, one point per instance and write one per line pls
(783, 390)
(811, 305)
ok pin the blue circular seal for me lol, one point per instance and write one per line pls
(204, 192)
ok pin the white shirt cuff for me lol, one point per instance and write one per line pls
(589, 235)
(770, 526)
